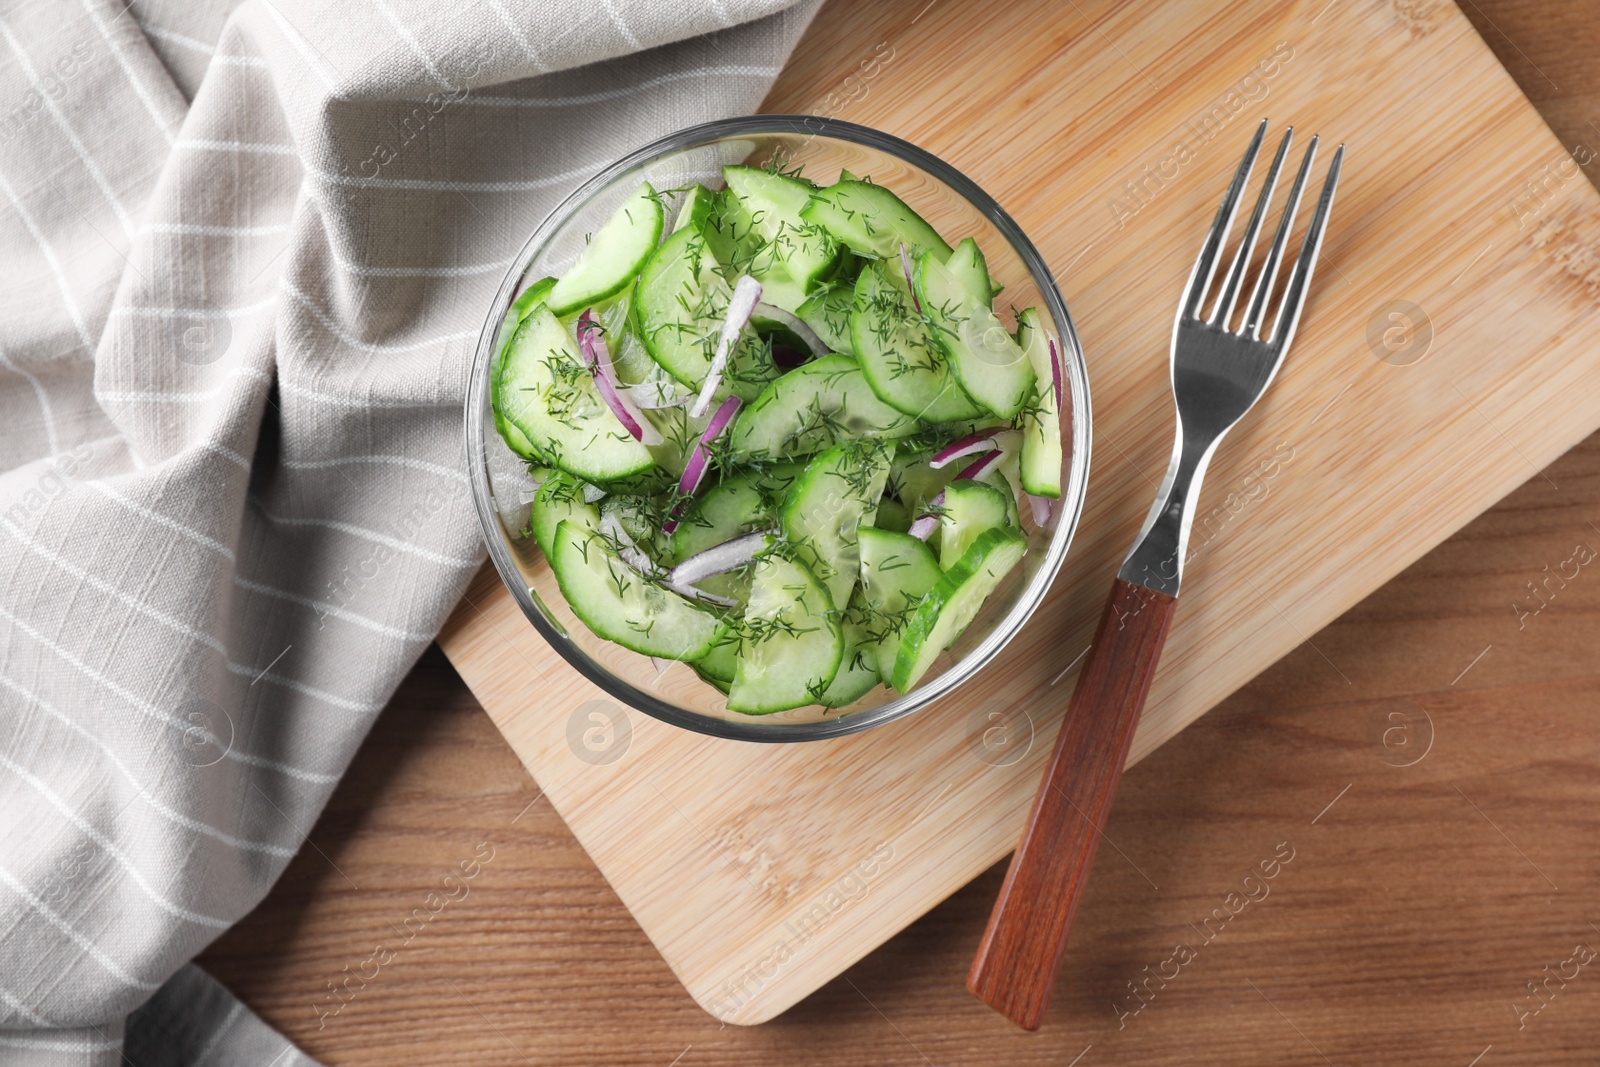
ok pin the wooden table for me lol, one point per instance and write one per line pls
(1440, 813)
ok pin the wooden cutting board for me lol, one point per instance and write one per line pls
(1463, 232)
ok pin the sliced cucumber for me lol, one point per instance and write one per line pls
(530, 298)
(914, 482)
(872, 221)
(613, 255)
(954, 602)
(858, 664)
(790, 642)
(825, 509)
(971, 272)
(549, 395)
(970, 509)
(736, 505)
(695, 208)
(558, 500)
(680, 302)
(827, 311)
(794, 256)
(814, 406)
(901, 361)
(718, 665)
(620, 604)
(1041, 422)
(984, 357)
(892, 515)
(897, 570)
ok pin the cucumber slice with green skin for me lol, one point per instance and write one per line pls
(613, 256)
(696, 208)
(897, 571)
(983, 355)
(737, 505)
(531, 296)
(827, 311)
(971, 272)
(680, 302)
(872, 221)
(731, 234)
(858, 664)
(558, 500)
(1041, 422)
(548, 394)
(815, 406)
(825, 509)
(898, 355)
(913, 482)
(954, 602)
(620, 604)
(790, 642)
(519, 310)
(794, 256)
(718, 665)
(970, 509)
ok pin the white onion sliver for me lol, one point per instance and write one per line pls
(592, 493)
(795, 325)
(965, 446)
(630, 552)
(718, 559)
(746, 294)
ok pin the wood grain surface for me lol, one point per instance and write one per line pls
(1397, 862)
(761, 872)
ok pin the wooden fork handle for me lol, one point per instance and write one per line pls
(1021, 950)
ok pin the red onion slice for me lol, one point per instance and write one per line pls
(905, 265)
(695, 470)
(1055, 372)
(593, 345)
(795, 325)
(1041, 509)
(965, 446)
(746, 294)
(718, 560)
(982, 466)
(923, 528)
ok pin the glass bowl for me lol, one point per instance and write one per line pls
(501, 483)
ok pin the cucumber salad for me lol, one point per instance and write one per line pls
(779, 432)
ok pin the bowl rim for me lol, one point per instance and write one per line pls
(1070, 502)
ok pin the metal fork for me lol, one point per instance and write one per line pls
(1219, 371)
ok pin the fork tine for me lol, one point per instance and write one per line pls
(1269, 269)
(1247, 244)
(1294, 297)
(1206, 265)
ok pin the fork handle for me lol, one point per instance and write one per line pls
(1021, 951)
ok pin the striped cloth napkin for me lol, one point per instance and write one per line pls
(247, 253)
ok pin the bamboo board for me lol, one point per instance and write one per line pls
(1108, 130)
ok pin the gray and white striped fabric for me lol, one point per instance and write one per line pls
(246, 252)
